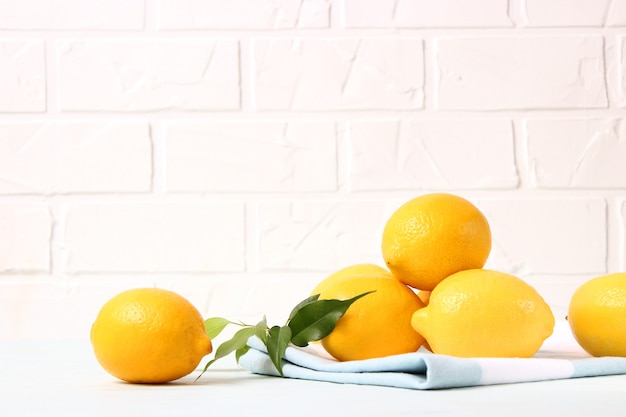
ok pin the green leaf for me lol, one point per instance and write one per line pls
(301, 304)
(317, 319)
(240, 352)
(215, 325)
(238, 341)
(277, 342)
(261, 330)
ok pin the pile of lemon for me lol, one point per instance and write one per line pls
(435, 293)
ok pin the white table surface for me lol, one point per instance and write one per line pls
(63, 378)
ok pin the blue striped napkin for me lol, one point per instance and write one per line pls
(425, 370)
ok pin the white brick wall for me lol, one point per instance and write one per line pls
(50, 157)
(139, 74)
(25, 244)
(225, 156)
(415, 14)
(415, 154)
(239, 151)
(242, 14)
(154, 237)
(338, 74)
(529, 72)
(22, 76)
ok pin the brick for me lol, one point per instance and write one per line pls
(577, 153)
(22, 76)
(319, 235)
(616, 15)
(251, 156)
(144, 75)
(25, 231)
(556, 236)
(424, 13)
(217, 14)
(67, 157)
(422, 154)
(157, 237)
(563, 13)
(338, 74)
(70, 14)
(532, 72)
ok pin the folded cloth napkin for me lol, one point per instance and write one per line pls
(425, 370)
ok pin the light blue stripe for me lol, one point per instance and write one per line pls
(599, 366)
(450, 372)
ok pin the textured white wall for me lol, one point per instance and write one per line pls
(239, 151)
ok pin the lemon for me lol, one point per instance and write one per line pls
(597, 315)
(149, 335)
(376, 325)
(433, 236)
(350, 272)
(483, 313)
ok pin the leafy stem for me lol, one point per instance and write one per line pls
(310, 320)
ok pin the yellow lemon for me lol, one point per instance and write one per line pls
(149, 335)
(433, 236)
(350, 272)
(376, 325)
(483, 313)
(597, 315)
